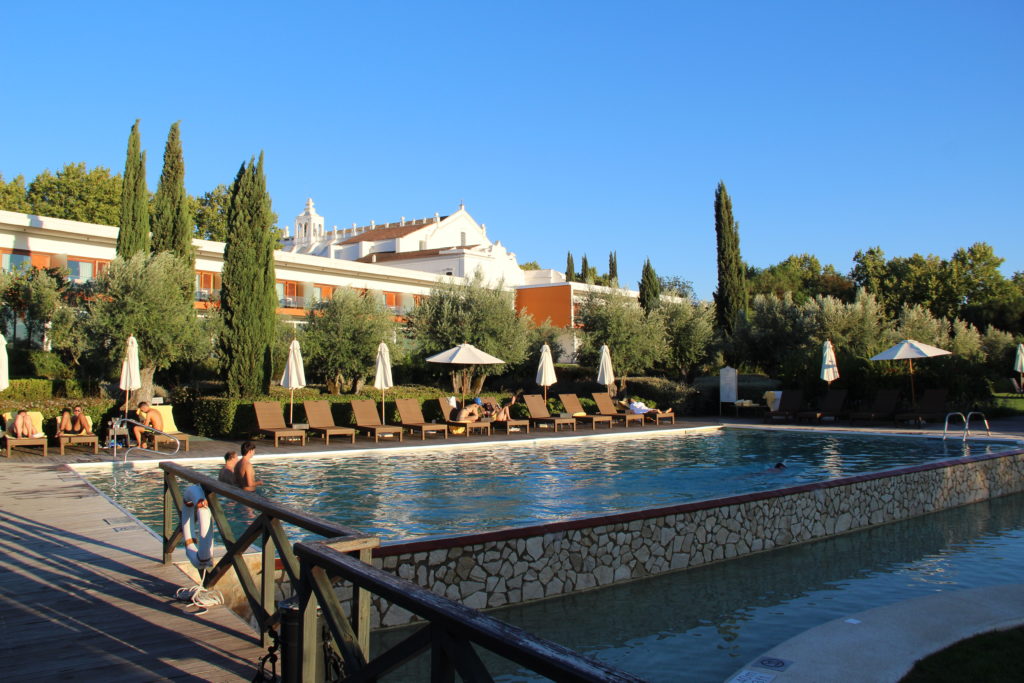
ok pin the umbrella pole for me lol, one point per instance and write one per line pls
(291, 408)
(913, 396)
(383, 398)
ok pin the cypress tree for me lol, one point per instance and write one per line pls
(585, 270)
(650, 288)
(731, 295)
(613, 269)
(248, 294)
(172, 216)
(133, 236)
(570, 268)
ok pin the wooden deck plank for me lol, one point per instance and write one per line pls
(81, 599)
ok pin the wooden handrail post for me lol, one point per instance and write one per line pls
(309, 630)
(361, 608)
(267, 583)
(168, 531)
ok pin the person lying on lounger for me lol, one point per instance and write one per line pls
(471, 412)
(22, 427)
(638, 407)
(72, 422)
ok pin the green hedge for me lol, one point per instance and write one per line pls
(22, 390)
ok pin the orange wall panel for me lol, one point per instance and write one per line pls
(547, 303)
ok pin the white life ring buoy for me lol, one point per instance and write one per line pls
(197, 526)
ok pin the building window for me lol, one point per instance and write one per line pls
(12, 262)
(288, 294)
(80, 271)
(207, 286)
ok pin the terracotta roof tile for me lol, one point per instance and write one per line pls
(390, 231)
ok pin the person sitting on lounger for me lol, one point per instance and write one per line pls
(471, 412)
(503, 413)
(638, 407)
(22, 427)
(149, 418)
(72, 422)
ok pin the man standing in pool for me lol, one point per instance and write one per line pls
(244, 472)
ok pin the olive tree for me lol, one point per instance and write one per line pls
(637, 341)
(341, 337)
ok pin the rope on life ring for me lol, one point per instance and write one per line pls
(197, 526)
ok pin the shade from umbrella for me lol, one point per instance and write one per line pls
(908, 350)
(829, 367)
(546, 370)
(5, 380)
(131, 378)
(605, 374)
(382, 380)
(465, 355)
(294, 376)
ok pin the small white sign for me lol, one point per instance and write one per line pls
(747, 676)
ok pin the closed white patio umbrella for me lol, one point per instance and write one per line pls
(5, 373)
(1018, 364)
(467, 356)
(605, 373)
(908, 350)
(294, 376)
(382, 379)
(131, 378)
(546, 370)
(829, 367)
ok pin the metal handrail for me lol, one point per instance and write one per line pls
(945, 427)
(967, 423)
(119, 424)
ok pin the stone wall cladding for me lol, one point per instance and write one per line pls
(497, 568)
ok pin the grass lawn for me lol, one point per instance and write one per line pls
(992, 656)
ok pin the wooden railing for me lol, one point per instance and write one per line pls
(450, 630)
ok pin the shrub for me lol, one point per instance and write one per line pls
(27, 390)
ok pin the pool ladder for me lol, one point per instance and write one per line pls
(120, 424)
(967, 423)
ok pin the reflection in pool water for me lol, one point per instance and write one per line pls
(439, 491)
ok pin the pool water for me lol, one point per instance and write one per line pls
(703, 624)
(416, 493)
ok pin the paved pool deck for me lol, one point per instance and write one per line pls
(882, 644)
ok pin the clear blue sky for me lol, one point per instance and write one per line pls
(583, 126)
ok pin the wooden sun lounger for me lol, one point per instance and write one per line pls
(270, 418)
(170, 429)
(480, 426)
(320, 419)
(411, 414)
(89, 439)
(932, 405)
(368, 420)
(11, 441)
(883, 407)
(606, 406)
(789, 405)
(575, 408)
(539, 413)
(831, 405)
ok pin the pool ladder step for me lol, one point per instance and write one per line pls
(967, 423)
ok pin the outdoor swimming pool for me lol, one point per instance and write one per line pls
(414, 493)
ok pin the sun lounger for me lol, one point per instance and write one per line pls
(883, 407)
(539, 413)
(461, 426)
(931, 406)
(411, 414)
(575, 408)
(170, 429)
(368, 420)
(270, 418)
(86, 439)
(320, 419)
(831, 405)
(789, 405)
(606, 406)
(37, 438)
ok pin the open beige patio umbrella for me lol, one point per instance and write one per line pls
(294, 376)
(5, 373)
(605, 373)
(546, 370)
(908, 350)
(131, 378)
(829, 367)
(465, 355)
(1018, 363)
(382, 380)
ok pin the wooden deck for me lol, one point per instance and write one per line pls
(83, 594)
